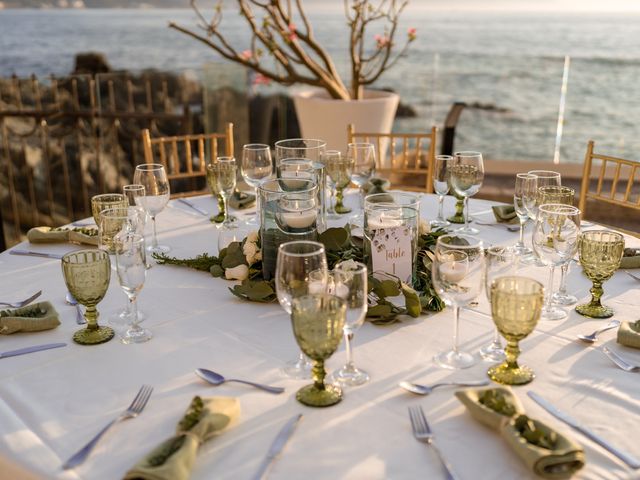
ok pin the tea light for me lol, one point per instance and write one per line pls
(295, 179)
(384, 219)
(316, 287)
(453, 272)
(300, 218)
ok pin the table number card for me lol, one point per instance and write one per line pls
(391, 252)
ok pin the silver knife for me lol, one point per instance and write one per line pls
(276, 447)
(572, 422)
(35, 348)
(194, 206)
(35, 254)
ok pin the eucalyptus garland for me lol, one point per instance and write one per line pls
(389, 297)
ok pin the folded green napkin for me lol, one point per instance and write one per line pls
(84, 235)
(240, 200)
(32, 318)
(546, 452)
(376, 185)
(629, 334)
(631, 258)
(173, 459)
(505, 214)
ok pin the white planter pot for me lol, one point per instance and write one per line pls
(325, 118)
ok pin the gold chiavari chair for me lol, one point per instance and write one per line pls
(406, 159)
(185, 157)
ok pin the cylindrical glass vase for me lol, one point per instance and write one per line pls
(303, 168)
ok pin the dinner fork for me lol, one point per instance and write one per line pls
(423, 434)
(136, 407)
(619, 361)
(23, 302)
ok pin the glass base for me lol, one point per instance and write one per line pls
(316, 397)
(522, 251)
(467, 230)
(252, 221)
(455, 360)
(349, 376)
(299, 369)
(552, 313)
(93, 337)
(564, 299)
(510, 376)
(493, 353)
(159, 249)
(342, 210)
(594, 311)
(139, 335)
(439, 223)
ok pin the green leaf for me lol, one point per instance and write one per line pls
(388, 288)
(334, 239)
(233, 258)
(382, 310)
(412, 301)
(258, 291)
(217, 271)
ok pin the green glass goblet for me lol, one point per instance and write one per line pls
(600, 253)
(104, 201)
(458, 216)
(515, 307)
(318, 321)
(87, 274)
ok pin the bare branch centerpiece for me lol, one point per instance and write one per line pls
(282, 47)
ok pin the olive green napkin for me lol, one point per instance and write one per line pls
(505, 214)
(376, 185)
(32, 318)
(562, 460)
(173, 459)
(629, 334)
(631, 258)
(240, 200)
(84, 235)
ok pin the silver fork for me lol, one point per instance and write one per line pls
(631, 274)
(619, 361)
(423, 434)
(23, 302)
(133, 411)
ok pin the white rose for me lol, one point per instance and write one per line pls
(253, 237)
(424, 228)
(250, 251)
(241, 272)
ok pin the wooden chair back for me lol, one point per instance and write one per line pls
(185, 157)
(614, 181)
(405, 159)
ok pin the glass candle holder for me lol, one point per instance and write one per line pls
(290, 170)
(309, 148)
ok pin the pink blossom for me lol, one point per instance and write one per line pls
(412, 34)
(292, 35)
(246, 55)
(381, 40)
(260, 79)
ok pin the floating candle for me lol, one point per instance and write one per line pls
(300, 219)
(453, 272)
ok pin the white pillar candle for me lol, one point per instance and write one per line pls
(384, 219)
(453, 272)
(295, 179)
(299, 219)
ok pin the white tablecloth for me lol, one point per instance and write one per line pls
(53, 402)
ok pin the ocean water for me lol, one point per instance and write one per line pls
(510, 66)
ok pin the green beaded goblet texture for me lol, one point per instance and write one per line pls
(318, 321)
(106, 200)
(515, 307)
(87, 274)
(600, 253)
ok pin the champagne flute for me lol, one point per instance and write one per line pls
(350, 280)
(467, 175)
(132, 272)
(104, 201)
(526, 188)
(456, 273)
(154, 179)
(544, 178)
(221, 177)
(363, 156)
(516, 303)
(255, 167)
(318, 321)
(134, 193)
(87, 274)
(294, 266)
(555, 242)
(499, 262)
(441, 169)
(600, 255)
(339, 171)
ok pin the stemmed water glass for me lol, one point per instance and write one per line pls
(297, 261)
(132, 272)
(544, 178)
(87, 274)
(525, 190)
(457, 271)
(339, 171)
(516, 303)
(154, 179)
(104, 201)
(555, 242)
(499, 262)
(600, 255)
(350, 279)
(466, 177)
(256, 166)
(441, 186)
(221, 177)
(363, 158)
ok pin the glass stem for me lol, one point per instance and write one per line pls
(361, 191)
(512, 352)
(456, 323)
(550, 292)
(466, 213)
(563, 279)
(226, 210)
(154, 242)
(91, 316)
(318, 373)
(348, 336)
(440, 204)
(496, 338)
(521, 241)
(255, 191)
(133, 306)
(596, 294)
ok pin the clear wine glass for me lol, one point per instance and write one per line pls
(154, 179)
(555, 242)
(499, 262)
(457, 271)
(363, 157)
(525, 189)
(441, 187)
(350, 284)
(256, 166)
(467, 175)
(221, 176)
(544, 178)
(338, 177)
(132, 271)
(294, 266)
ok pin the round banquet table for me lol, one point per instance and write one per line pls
(52, 402)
